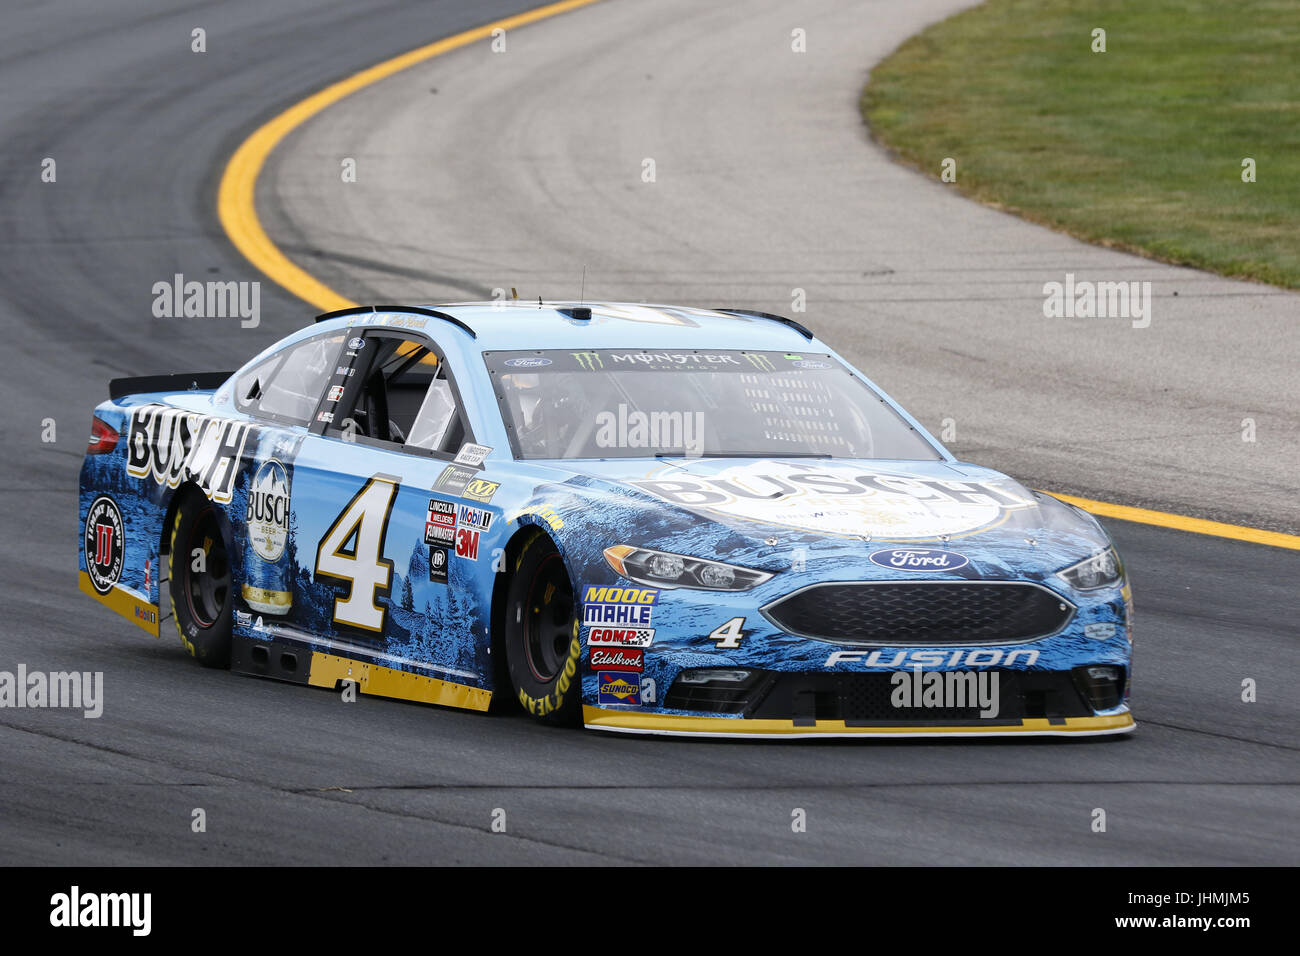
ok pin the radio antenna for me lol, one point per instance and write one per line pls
(582, 293)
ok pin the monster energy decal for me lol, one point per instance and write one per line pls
(649, 360)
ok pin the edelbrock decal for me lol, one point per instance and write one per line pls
(918, 559)
(838, 499)
(171, 445)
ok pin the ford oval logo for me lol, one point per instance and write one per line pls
(356, 343)
(527, 362)
(919, 559)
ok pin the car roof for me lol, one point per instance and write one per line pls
(512, 325)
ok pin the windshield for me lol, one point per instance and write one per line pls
(620, 403)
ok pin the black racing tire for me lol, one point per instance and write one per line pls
(202, 599)
(543, 653)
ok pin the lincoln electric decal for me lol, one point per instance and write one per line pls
(838, 499)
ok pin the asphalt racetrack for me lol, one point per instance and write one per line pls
(522, 168)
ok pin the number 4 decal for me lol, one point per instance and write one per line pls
(729, 634)
(352, 551)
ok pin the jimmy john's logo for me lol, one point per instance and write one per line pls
(105, 544)
(840, 499)
(172, 445)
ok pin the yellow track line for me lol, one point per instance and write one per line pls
(237, 193)
(236, 207)
(1164, 519)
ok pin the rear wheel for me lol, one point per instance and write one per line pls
(542, 648)
(201, 596)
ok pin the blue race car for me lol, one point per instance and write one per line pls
(638, 518)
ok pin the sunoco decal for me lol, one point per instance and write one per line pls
(171, 445)
(839, 499)
(617, 688)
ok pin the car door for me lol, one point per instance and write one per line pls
(387, 565)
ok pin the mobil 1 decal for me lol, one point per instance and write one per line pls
(836, 498)
(171, 445)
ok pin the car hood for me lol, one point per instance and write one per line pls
(759, 512)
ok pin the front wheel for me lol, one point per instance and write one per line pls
(200, 581)
(542, 647)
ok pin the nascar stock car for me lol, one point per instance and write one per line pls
(637, 518)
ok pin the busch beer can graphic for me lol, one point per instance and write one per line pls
(268, 579)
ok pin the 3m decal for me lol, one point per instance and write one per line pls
(105, 544)
(472, 455)
(918, 559)
(172, 445)
(440, 523)
(352, 551)
(618, 659)
(620, 636)
(730, 634)
(617, 688)
(838, 499)
(467, 543)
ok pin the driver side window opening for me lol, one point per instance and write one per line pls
(405, 399)
(287, 385)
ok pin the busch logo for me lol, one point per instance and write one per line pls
(172, 445)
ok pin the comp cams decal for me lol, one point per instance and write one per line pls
(829, 497)
(171, 445)
(105, 544)
(620, 636)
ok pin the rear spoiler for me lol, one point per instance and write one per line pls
(177, 382)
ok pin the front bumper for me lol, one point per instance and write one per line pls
(629, 722)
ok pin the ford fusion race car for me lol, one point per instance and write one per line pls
(638, 518)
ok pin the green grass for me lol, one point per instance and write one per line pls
(1139, 147)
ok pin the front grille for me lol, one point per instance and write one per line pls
(927, 613)
(867, 699)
